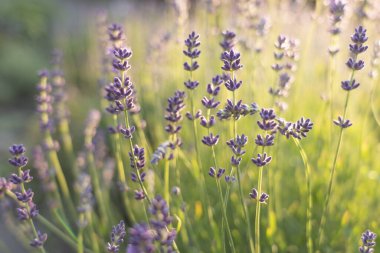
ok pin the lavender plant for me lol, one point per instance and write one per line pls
(354, 64)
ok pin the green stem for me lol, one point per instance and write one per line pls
(80, 235)
(246, 216)
(309, 227)
(258, 207)
(331, 180)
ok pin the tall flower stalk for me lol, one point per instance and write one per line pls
(27, 209)
(44, 109)
(354, 64)
(192, 52)
(269, 125)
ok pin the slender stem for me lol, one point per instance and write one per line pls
(97, 188)
(121, 171)
(80, 235)
(166, 180)
(224, 211)
(331, 180)
(309, 209)
(258, 208)
(64, 224)
(53, 158)
(246, 216)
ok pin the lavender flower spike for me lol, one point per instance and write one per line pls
(117, 237)
(368, 242)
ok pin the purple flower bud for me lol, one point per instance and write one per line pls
(368, 242)
(210, 103)
(25, 197)
(127, 132)
(348, 85)
(210, 140)
(232, 85)
(231, 60)
(191, 85)
(261, 160)
(39, 241)
(220, 172)
(17, 149)
(20, 161)
(342, 123)
(263, 198)
(230, 179)
(355, 65)
(212, 172)
(253, 194)
(139, 195)
(117, 237)
(268, 140)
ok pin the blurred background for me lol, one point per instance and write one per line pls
(31, 30)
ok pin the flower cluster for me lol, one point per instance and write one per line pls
(121, 93)
(285, 56)
(143, 237)
(44, 101)
(356, 48)
(192, 52)
(297, 130)
(368, 242)
(228, 42)
(336, 8)
(27, 210)
(174, 117)
(236, 111)
(137, 162)
(263, 196)
(117, 237)
(236, 145)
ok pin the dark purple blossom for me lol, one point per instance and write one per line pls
(210, 103)
(117, 237)
(228, 41)
(231, 61)
(192, 43)
(349, 85)
(261, 160)
(141, 239)
(207, 123)
(139, 195)
(137, 158)
(343, 123)
(268, 140)
(39, 241)
(232, 85)
(216, 174)
(210, 140)
(17, 149)
(263, 198)
(253, 194)
(236, 110)
(368, 242)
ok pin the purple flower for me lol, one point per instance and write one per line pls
(39, 241)
(210, 140)
(117, 237)
(268, 140)
(210, 103)
(25, 197)
(261, 160)
(368, 242)
(4, 186)
(349, 85)
(137, 158)
(237, 144)
(216, 174)
(342, 123)
(263, 198)
(191, 43)
(207, 123)
(17, 149)
(141, 239)
(253, 194)
(139, 195)
(228, 41)
(231, 60)
(232, 85)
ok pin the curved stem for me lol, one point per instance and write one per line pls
(258, 208)
(309, 209)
